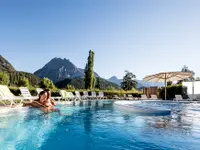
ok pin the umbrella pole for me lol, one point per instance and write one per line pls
(193, 89)
(165, 87)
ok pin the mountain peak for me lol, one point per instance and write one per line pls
(57, 63)
(5, 65)
(113, 78)
(58, 69)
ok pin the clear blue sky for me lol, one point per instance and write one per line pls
(142, 36)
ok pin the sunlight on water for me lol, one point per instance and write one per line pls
(99, 125)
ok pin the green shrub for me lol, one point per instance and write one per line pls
(16, 91)
(47, 84)
(70, 87)
(120, 93)
(55, 92)
(4, 78)
(111, 88)
(23, 82)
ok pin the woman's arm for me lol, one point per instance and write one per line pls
(37, 104)
(53, 103)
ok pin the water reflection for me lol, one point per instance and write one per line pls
(183, 118)
(98, 122)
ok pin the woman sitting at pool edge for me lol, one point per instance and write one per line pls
(44, 102)
(49, 101)
(38, 102)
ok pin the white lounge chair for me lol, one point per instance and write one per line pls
(26, 94)
(125, 97)
(71, 96)
(143, 97)
(39, 90)
(154, 97)
(178, 98)
(130, 97)
(78, 95)
(7, 95)
(192, 97)
(68, 96)
(101, 95)
(93, 95)
(116, 97)
(64, 95)
(85, 95)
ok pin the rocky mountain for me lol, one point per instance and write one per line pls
(59, 69)
(83, 72)
(115, 80)
(140, 83)
(5, 65)
(14, 75)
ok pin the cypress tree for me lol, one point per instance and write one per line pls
(89, 72)
(98, 85)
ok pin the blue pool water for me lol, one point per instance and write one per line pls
(100, 125)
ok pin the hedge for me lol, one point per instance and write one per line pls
(108, 93)
(173, 90)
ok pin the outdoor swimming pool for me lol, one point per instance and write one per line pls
(98, 125)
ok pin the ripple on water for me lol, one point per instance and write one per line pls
(101, 127)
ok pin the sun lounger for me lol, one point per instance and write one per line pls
(68, 96)
(71, 96)
(130, 97)
(78, 95)
(101, 95)
(26, 94)
(154, 97)
(7, 95)
(85, 95)
(143, 97)
(124, 97)
(193, 97)
(116, 97)
(93, 95)
(64, 95)
(180, 98)
(39, 90)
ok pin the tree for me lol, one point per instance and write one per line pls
(4, 78)
(111, 88)
(23, 81)
(70, 87)
(129, 81)
(89, 72)
(186, 69)
(47, 84)
(98, 85)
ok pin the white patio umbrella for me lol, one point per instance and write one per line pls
(167, 77)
